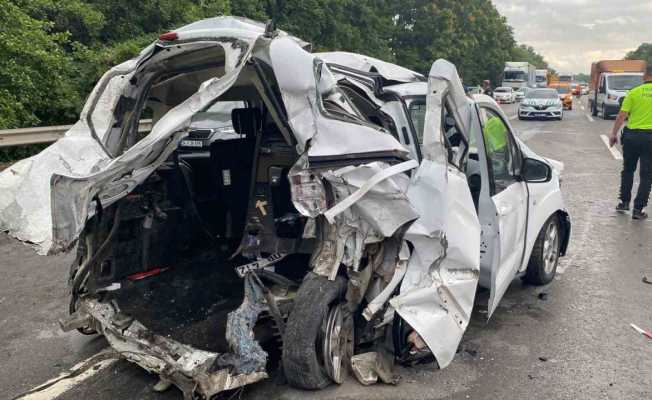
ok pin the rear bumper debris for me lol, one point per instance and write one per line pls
(188, 368)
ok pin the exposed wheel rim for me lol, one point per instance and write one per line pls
(337, 342)
(550, 248)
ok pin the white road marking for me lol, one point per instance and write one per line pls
(590, 118)
(614, 151)
(67, 380)
(512, 117)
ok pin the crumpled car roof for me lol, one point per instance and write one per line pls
(389, 71)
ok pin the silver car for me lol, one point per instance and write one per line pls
(541, 103)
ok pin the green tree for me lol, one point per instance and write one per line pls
(35, 74)
(469, 33)
(525, 53)
(643, 52)
(582, 77)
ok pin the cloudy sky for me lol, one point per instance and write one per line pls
(570, 34)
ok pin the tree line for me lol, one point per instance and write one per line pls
(53, 51)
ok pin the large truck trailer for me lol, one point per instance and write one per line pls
(519, 74)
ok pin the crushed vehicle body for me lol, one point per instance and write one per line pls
(335, 219)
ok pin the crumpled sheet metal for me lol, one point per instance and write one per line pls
(378, 214)
(188, 368)
(295, 72)
(62, 180)
(389, 71)
(25, 205)
(438, 290)
(246, 355)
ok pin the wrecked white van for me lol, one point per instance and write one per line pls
(342, 219)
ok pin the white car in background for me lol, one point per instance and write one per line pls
(504, 95)
(520, 93)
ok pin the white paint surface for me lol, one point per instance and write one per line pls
(613, 150)
(64, 382)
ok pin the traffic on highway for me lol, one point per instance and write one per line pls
(300, 224)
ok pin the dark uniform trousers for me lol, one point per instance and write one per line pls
(637, 146)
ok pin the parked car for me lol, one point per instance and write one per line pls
(541, 103)
(504, 95)
(337, 219)
(520, 93)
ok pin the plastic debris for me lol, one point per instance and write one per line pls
(642, 331)
(369, 367)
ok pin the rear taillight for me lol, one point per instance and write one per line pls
(169, 36)
(308, 194)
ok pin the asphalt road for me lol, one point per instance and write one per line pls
(569, 340)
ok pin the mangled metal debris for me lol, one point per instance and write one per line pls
(328, 217)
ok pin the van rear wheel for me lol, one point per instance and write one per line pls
(318, 339)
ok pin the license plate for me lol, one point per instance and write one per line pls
(192, 143)
(540, 114)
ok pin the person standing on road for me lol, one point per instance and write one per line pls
(637, 145)
(486, 88)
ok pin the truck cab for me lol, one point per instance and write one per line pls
(611, 92)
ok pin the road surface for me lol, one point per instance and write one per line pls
(568, 340)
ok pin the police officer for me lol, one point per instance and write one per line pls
(637, 145)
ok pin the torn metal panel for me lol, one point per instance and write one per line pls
(371, 205)
(439, 287)
(188, 368)
(62, 180)
(303, 81)
(360, 62)
(246, 355)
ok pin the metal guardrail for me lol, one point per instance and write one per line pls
(46, 134)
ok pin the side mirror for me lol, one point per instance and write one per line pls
(535, 171)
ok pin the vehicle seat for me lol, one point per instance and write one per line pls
(233, 163)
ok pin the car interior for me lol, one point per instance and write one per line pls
(196, 218)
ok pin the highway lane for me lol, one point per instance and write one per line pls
(569, 340)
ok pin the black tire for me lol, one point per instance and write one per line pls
(301, 356)
(594, 109)
(536, 273)
(604, 112)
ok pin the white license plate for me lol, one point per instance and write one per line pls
(192, 143)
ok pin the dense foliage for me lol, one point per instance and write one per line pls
(53, 51)
(643, 52)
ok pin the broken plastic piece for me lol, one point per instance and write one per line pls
(641, 331)
(145, 274)
(369, 367)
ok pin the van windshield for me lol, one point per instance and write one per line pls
(624, 82)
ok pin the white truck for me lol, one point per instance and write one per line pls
(610, 82)
(519, 74)
(541, 78)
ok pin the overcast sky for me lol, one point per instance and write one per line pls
(571, 34)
